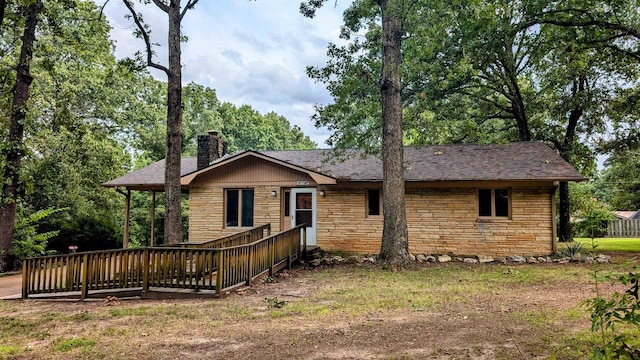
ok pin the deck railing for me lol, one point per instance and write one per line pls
(239, 238)
(218, 269)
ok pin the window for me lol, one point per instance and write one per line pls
(239, 208)
(287, 203)
(373, 202)
(493, 203)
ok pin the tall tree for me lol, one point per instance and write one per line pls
(395, 237)
(478, 71)
(394, 247)
(15, 152)
(172, 187)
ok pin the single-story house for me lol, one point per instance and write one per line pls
(465, 199)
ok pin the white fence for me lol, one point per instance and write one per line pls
(623, 228)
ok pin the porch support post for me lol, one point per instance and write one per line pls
(125, 239)
(554, 226)
(153, 216)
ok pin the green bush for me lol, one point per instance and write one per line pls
(609, 314)
(27, 241)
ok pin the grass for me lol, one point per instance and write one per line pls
(631, 245)
(353, 307)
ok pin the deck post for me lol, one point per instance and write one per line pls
(289, 249)
(85, 277)
(219, 274)
(25, 279)
(153, 217)
(249, 264)
(304, 241)
(125, 237)
(271, 256)
(145, 268)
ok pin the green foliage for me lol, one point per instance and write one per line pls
(572, 249)
(622, 176)
(274, 302)
(28, 242)
(591, 217)
(71, 344)
(608, 315)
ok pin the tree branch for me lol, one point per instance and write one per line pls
(164, 7)
(190, 5)
(145, 36)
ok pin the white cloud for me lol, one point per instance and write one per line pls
(253, 53)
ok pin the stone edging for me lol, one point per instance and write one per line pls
(328, 259)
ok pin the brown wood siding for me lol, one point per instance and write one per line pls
(440, 221)
(251, 171)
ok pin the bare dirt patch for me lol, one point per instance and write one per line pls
(447, 311)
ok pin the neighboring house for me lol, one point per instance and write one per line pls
(628, 215)
(465, 199)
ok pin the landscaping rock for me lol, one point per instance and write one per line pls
(421, 258)
(603, 259)
(577, 258)
(501, 260)
(444, 258)
(532, 260)
(470, 261)
(484, 259)
(315, 262)
(337, 260)
(412, 257)
(542, 259)
(353, 259)
(516, 259)
(562, 260)
(430, 258)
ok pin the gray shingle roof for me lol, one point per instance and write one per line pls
(151, 175)
(514, 161)
(519, 161)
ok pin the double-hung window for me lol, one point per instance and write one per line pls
(239, 207)
(494, 203)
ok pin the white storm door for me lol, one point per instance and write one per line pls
(303, 211)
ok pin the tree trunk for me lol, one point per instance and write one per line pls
(565, 234)
(3, 5)
(173, 193)
(11, 185)
(395, 237)
(564, 231)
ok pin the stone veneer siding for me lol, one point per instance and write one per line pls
(440, 220)
(206, 211)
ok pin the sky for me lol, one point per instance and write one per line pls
(250, 52)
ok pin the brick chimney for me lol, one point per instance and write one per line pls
(210, 148)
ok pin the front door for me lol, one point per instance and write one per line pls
(303, 206)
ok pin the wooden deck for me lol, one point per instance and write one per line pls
(215, 266)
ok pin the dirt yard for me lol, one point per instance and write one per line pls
(436, 311)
